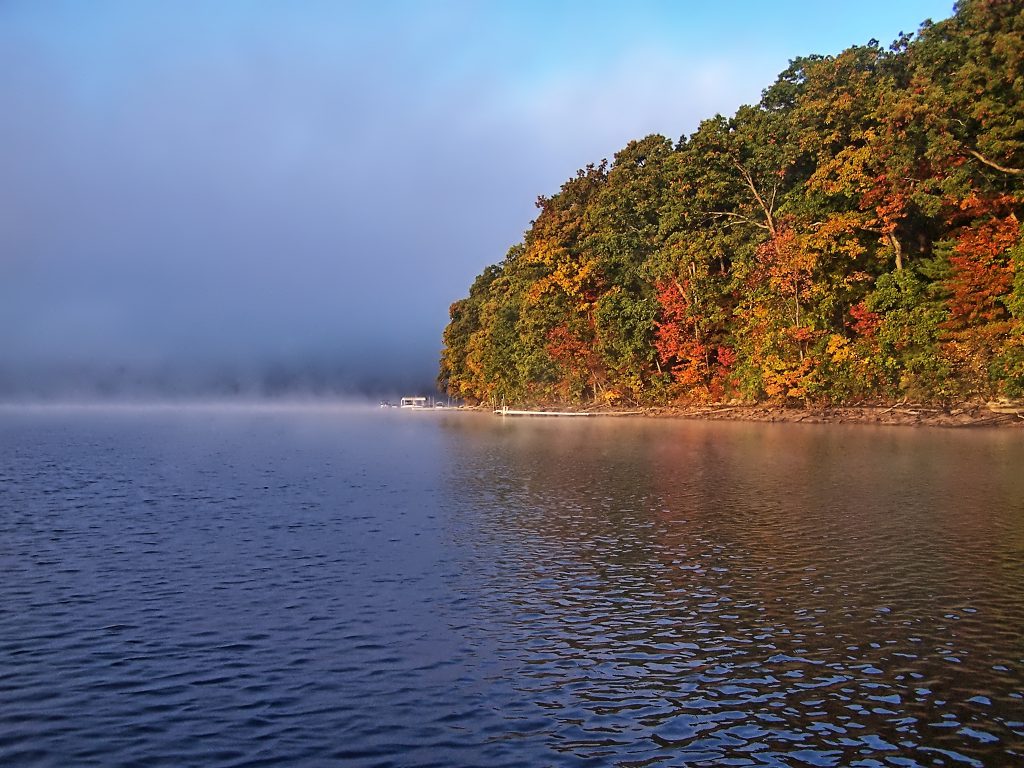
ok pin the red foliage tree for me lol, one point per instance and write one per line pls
(981, 272)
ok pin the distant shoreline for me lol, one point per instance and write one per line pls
(963, 415)
(900, 414)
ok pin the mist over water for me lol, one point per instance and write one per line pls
(302, 585)
(185, 382)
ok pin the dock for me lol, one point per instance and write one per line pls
(512, 412)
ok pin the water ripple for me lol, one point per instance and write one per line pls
(267, 588)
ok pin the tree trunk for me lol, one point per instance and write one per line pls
(898, 250)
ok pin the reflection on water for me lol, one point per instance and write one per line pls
(704, 593)
(302, 587)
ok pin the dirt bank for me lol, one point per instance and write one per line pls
(903, 414)
(974, 414)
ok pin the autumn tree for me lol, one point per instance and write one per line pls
(855, 234)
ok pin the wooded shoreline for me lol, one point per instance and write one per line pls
(856, 237)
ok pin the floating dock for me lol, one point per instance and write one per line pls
(511, 412)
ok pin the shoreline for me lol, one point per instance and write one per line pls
(964, 415)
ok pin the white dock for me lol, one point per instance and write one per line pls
(511, 412)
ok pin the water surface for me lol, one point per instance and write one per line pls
(316, 586)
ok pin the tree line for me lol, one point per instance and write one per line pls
(854, 236)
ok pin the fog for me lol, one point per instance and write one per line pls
(262, 199)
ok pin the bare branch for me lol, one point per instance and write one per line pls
(990, 164)
(741, 217)
(768, 209)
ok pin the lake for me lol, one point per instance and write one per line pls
(313, 585)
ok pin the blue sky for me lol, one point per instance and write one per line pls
(195, 188)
